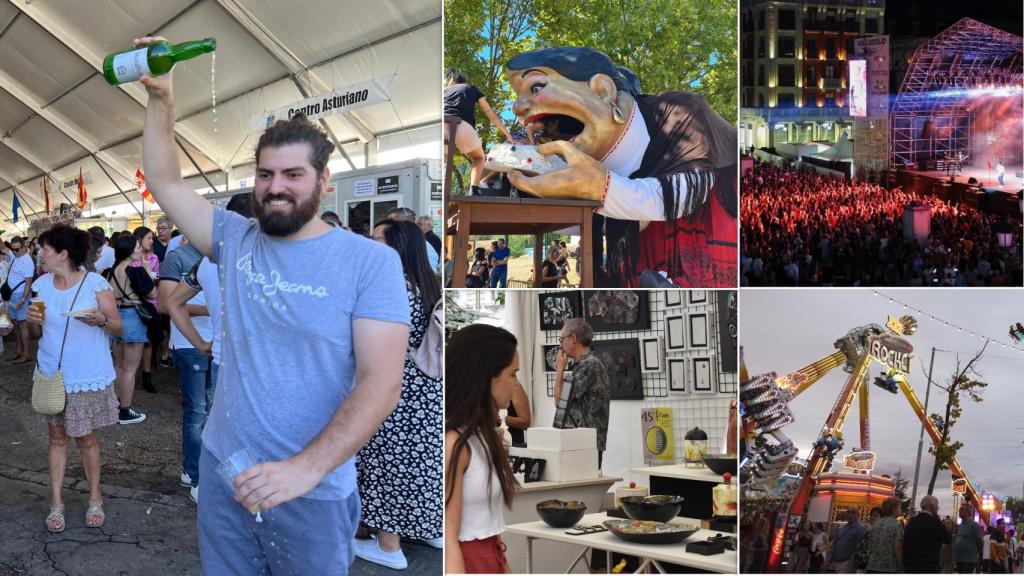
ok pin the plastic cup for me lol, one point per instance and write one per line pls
(234, 465)
(39, 305)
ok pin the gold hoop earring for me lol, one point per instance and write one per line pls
(617, 115)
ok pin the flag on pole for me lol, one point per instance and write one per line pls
(46, 194)
(83, 197)
(140, 185)
(15, 205)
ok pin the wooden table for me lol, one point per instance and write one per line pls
(652, 554)
(485, 215)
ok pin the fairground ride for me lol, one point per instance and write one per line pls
(764, 404)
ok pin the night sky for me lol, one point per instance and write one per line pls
(926, 18)
(784, 330)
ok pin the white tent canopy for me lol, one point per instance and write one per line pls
(58, 115)
(841, 150)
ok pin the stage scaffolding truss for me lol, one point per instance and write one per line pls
(931, 118)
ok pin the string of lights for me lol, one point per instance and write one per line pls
(961, 329)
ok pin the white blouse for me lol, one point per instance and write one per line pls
(87, 364)
(483, 512)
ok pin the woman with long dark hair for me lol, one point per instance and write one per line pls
(77, 348)
(405, 500)
(150, 262)
(131, 286)
(480, 363)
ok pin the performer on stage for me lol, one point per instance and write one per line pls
(663, 166)
(1000, 171)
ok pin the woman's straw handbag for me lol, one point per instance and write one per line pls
(48, 395)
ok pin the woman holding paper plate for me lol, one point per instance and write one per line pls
(77, 312)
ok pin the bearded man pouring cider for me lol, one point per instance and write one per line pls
(663, 167)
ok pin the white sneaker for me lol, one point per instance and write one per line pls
(370, 551)
(185, 480)
(193, 493)
(435, 542)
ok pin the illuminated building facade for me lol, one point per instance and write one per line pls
(793, 60)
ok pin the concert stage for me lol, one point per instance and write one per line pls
(985, 194)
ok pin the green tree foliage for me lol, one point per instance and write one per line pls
(668, 44)
(967, 382)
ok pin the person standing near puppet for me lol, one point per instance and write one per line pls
(663, 166)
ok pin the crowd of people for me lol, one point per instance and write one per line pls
(346, 426)
(489, 268)
(804, 229)
(922, 543)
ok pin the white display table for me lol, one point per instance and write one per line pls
(524, 510)
(538, 534)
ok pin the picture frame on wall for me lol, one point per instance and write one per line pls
(549, 352)
(650, 351)
(621, 358)
(697, 296)
(557, 307)
(698, 330)
(675, 333)
(673, 298)
(616, 310)
(702, 375)
(677, 374)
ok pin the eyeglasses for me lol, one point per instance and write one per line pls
(562, 338)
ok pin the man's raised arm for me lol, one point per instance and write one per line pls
(191, 212)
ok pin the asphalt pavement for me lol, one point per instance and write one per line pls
(151, 521)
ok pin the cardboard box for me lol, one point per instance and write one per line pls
(563, 466)
(565, 440)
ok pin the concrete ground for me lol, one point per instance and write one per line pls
(151, 522)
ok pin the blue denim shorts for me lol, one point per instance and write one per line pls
(133, 331)
(17, 314)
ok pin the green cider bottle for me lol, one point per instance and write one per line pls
(152, 60)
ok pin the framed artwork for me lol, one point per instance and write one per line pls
(677, 374)
(728, 329)
(621, 358)
(675, 330)
(650, 349)
(699, 330)
(673, 298)
(557, 307)
(698, 296)
(702, 375)
(550, 354)
(612, 310)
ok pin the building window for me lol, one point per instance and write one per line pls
(830, 49)
(760, 100)
(830, 99)
(786, 76)
(871, 25)
(812, 49)
(760, 47)
(787, 19)
(851, 22)
(830, 72)
(810, 99)
(786, 101)
(810, 77)
(760, 20)
(761, 79)
(849, 48)
(787, 47)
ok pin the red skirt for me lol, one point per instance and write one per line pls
(485, 556)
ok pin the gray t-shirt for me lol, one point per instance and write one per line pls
(287, 361)
(965, 544)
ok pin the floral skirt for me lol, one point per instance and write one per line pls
(86, 411)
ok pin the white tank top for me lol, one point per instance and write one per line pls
(483, 513)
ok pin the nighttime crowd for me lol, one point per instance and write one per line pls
(804, 229)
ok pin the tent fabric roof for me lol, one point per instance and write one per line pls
(58, 115)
